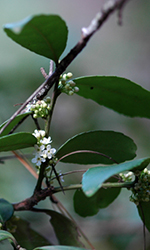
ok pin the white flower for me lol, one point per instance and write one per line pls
(42, 133)
(39, 133)
(38, 160)
(39, 149)
(46, 141)
(50, 151)
(53, 151)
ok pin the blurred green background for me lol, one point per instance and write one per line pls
(115, 50)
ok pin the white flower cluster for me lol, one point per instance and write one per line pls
(141, 189)
(129, 176)
(40, 108)
(43, 148)
(66, 85)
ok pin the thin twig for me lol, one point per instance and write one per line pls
(44, 72)
(51, 66)
(70, 172)
(104, 185)
(24, 162)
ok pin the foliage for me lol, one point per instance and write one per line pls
(110, 152)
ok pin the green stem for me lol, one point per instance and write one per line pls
(56, 93)
(104, 185)
(40, 178)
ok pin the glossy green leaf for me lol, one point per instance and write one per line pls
(65, 230)
(6, 211)
(4, 235)
(12, 124)
(94, 177)
(17, 141)
(109, 146)
(144, 212)
(25, 235)
(59, 248)
(45, 35)
(116, 93)
(89, 206)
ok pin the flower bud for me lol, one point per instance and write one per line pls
(71, 92)
(69, 75)
(76, 89)
(65, 76)
(48, 100)
(72, 83)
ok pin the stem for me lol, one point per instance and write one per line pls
(56, 93)
(104, 185)
(40, 177)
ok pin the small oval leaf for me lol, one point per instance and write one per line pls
(116, 93)
(45, 35)
(17, 141)
(93, 178)
(106, 147)
(13, 123)
(6, 210)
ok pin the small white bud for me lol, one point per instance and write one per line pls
(71, 92)
(67, 86)
(72, 83)
(37, 105)
(69, 75)
(76, 89)
(63, 82)
(65, 76)
(44, 105)
(35, 116)
(145, 171)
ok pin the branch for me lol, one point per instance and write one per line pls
(30, 202)
(42, 194)
(87, 33)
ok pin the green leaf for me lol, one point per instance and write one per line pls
(94, 177)
(116, 93)
(65, 229)
(89, 206)
(17, 141)
(109, 146)
(59, 248)
(25, 235)
(4, 235)
(45, 35)
(12, 124)
(144, 210)
(6, 211)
